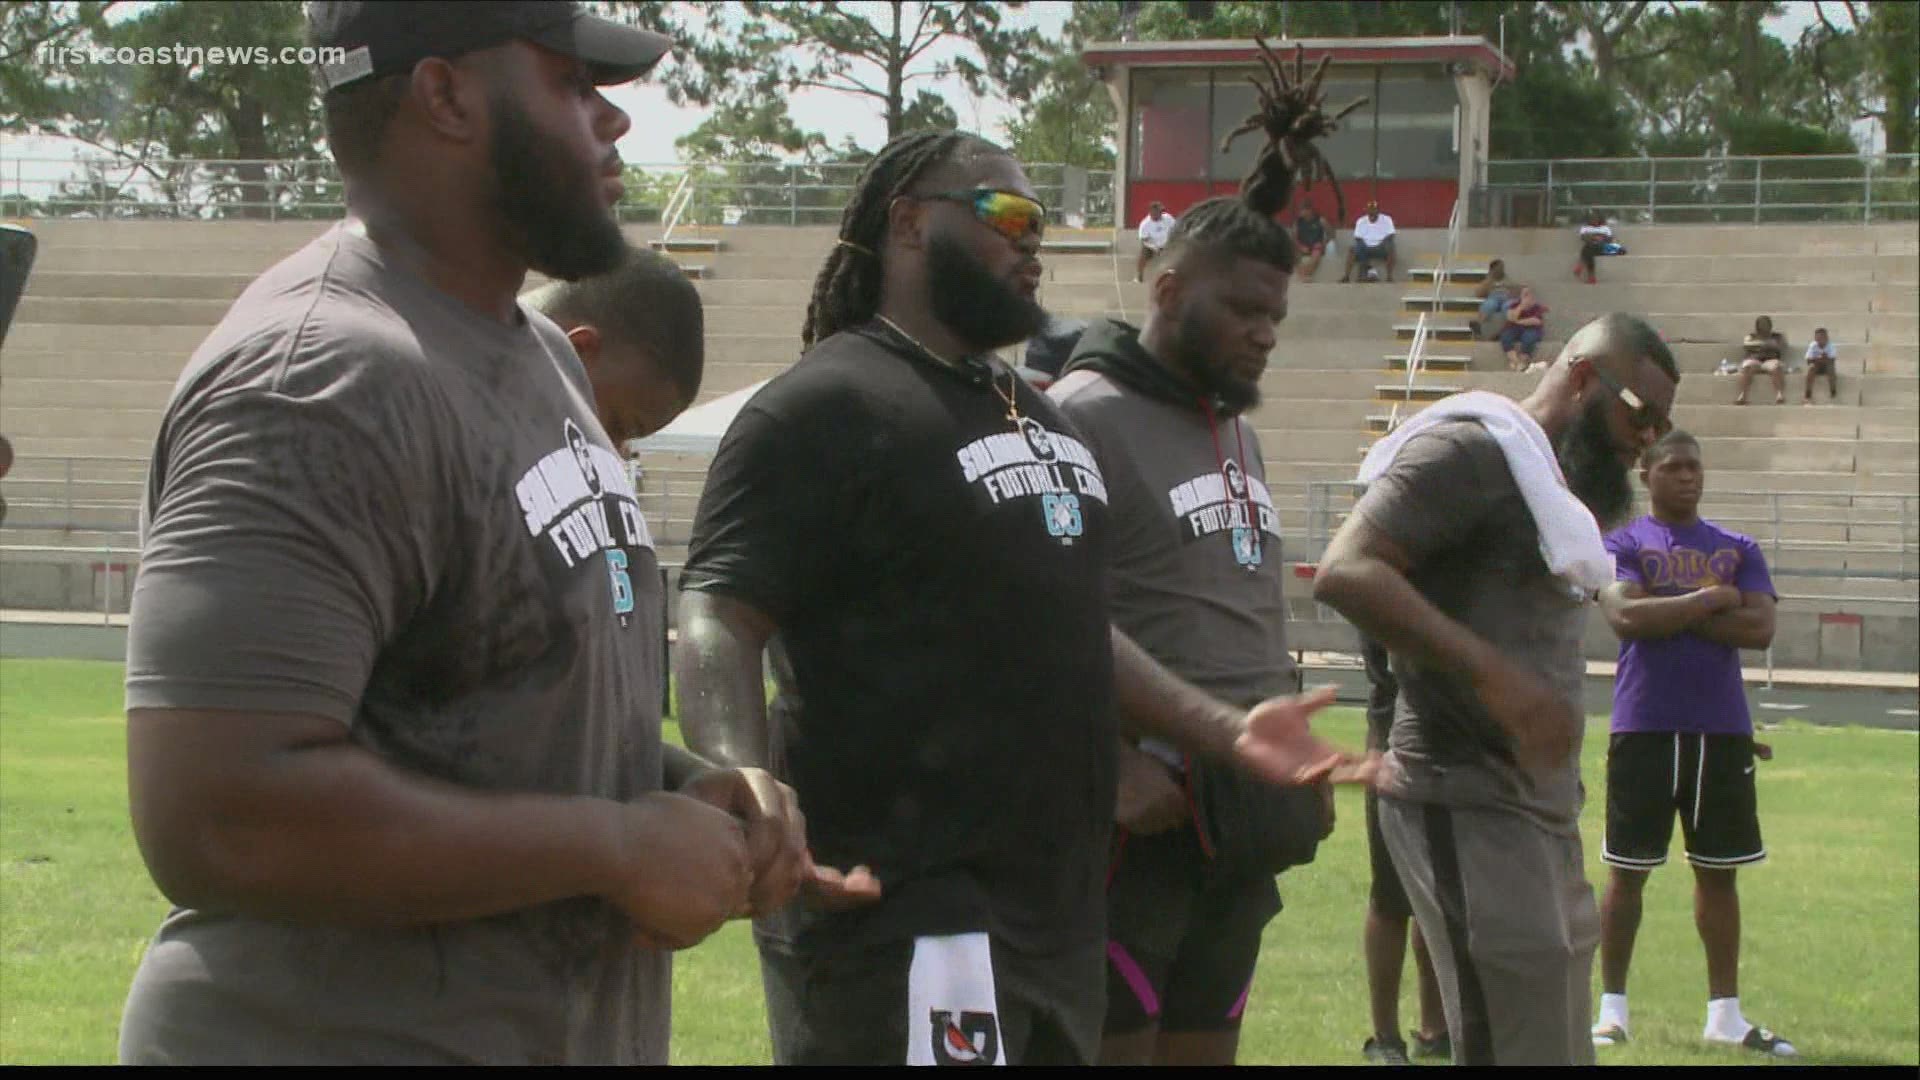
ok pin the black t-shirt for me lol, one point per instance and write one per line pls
(937, 576)
(1310, 232)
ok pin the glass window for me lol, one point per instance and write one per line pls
(1234, 101)
(1169, 137)
(1416, 126)
(1350, 149)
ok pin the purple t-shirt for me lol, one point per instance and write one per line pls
(1684, 682)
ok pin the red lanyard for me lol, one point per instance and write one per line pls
(1246, 478)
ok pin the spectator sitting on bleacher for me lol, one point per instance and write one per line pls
(1310, 231)
(1526, 325)
(1595, 237)
(1765, 350)
(1493, 292)
(1822, 359)
(1154, 230)
(1372, 239)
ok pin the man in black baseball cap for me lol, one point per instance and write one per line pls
(395, 669)
(385, 38)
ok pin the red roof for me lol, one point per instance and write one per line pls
(1477, 51)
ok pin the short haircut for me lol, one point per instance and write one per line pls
(1820, 330)
(647, 302)
(1629, 336)
(1665, 447)
(357, 117)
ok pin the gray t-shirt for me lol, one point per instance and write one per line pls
(370, 504)
(1196, 574)
(1450, 503)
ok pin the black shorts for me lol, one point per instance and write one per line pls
(1706, 779)
(1386, 895)
(1182, 942)
(849, 1005)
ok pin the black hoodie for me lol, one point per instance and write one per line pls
(1113, 348)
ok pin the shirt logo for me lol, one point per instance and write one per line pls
(1684, 569)
(1053, 470)
(578, 501)
(973, 1039)
(1231, 502)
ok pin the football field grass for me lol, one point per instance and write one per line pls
(1831, 956)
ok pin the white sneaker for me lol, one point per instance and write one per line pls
(1759, 1040)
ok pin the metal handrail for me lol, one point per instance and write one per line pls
(677, 204)
(1416, 350)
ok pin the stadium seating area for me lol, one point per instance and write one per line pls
(114, 308)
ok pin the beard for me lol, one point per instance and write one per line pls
(984, 311)
(549, 205)
(1195, 357)
(1592, 464)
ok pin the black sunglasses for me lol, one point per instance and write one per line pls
(1641, 415)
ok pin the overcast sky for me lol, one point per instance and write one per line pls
(657, 122)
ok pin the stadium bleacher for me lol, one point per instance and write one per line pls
(114, 309)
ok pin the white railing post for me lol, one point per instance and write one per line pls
(1759, 165)
(1653, 172)
(1866, 201)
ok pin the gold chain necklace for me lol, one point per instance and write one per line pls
(993, 377)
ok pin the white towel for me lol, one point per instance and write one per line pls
(1569, 537)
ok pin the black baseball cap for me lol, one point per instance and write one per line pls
(388, 37)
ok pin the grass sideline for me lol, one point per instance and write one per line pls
(1831, 956)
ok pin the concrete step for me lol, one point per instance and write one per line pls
(1452, 362)
(1075, 246)
(42, 363)
(95, 311)
(1437, 329)
(1687, 240)
(101, 394)
(130, 285)
(686, 244)
(55, 514)
(1448, 303)
(130, 444)
(76, 423)
(1471, 274)
(1416, 392)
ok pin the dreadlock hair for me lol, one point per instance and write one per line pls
(1291, 114)
(847, 290)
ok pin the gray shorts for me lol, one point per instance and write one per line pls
(1512, 926)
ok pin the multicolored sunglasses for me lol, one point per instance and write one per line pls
(1008, 213)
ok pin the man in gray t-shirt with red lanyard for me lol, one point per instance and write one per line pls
(394, 663)
(1441, 562)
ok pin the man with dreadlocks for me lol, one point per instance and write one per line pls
(1197, 579)
(909, 516)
